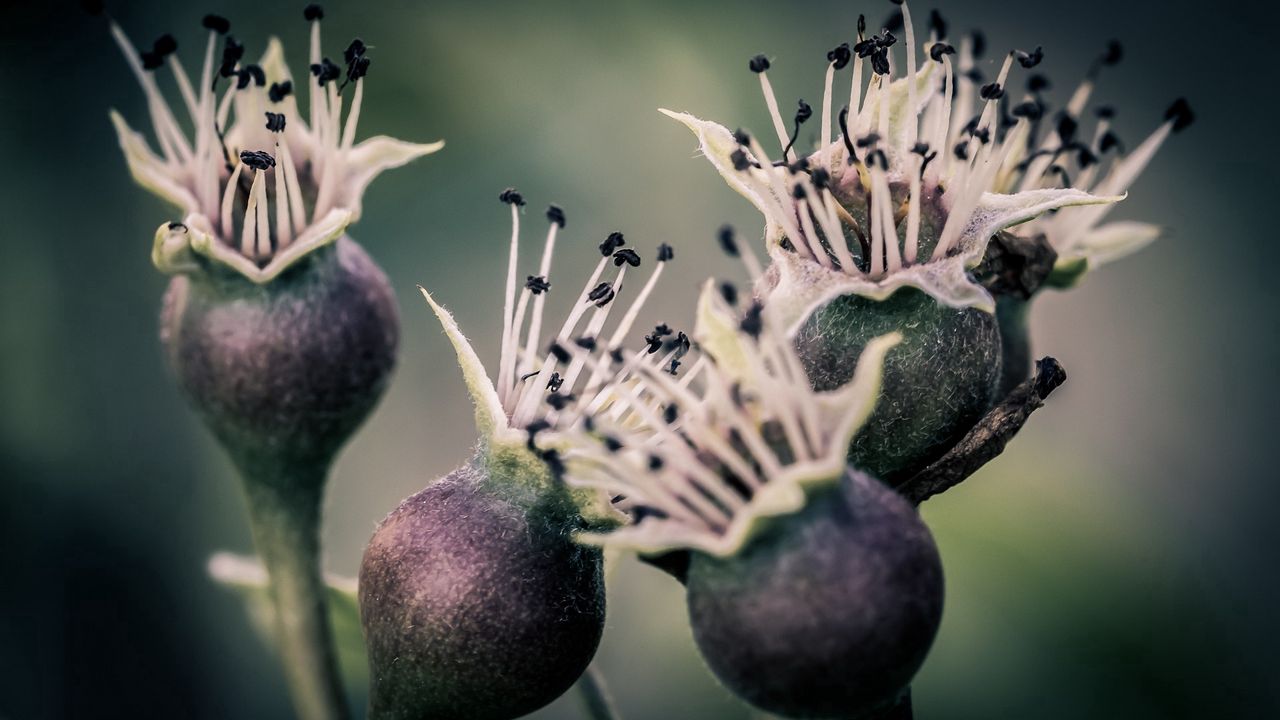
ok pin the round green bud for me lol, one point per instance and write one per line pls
(937, 383)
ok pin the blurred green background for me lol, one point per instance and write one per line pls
(1117, 562)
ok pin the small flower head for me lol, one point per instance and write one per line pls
(699, 462)
(259, 183)
(547, 375)
(928, 161)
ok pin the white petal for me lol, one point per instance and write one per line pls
(317, 235)
(716, 330)
(490, 417)
(171, 251)
(785, 493)
(846, 409)
(370, 158)
(276, 69)
(804, 286)
(899, 115)
(1113, 241)
(148, 170)
(996, 212)
(717, 144)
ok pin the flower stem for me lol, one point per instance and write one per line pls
(595, 695)
(284, 513)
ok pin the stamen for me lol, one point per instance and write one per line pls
(836, 59)
(228, 197)
(216, 23)
(758, 65)
(506, 364)
(912, 117)
(248, 233)
(557, 219)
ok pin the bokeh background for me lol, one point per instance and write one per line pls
(1119, 561)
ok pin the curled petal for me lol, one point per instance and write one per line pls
(371, 157)
(150, 171)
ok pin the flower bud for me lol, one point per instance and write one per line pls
(829, 612)
(284, 372)
(476, 601)
(884, 224)
(475, 598)
(813, 590)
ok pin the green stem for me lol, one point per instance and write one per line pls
(284, 513)
(595, 695)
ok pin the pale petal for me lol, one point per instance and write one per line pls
(996, 212)
(148, 170)
(490, 417)
(716, 330)
(1114, 240)
(805, 286)
(172, 252)
(370, 158)
(277, 70)
(317, 235)
(899, 113)
(717, 144)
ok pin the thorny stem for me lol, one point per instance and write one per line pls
(284, 513)
(988, 438)
(595, 695)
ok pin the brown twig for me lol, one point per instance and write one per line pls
(988, 438)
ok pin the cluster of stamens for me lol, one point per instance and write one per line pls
(904, 179)
(271, 179)
(572, 375)
(696, 458)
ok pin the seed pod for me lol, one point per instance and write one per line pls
(284, 372)
(828, 613)
(477, 604)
